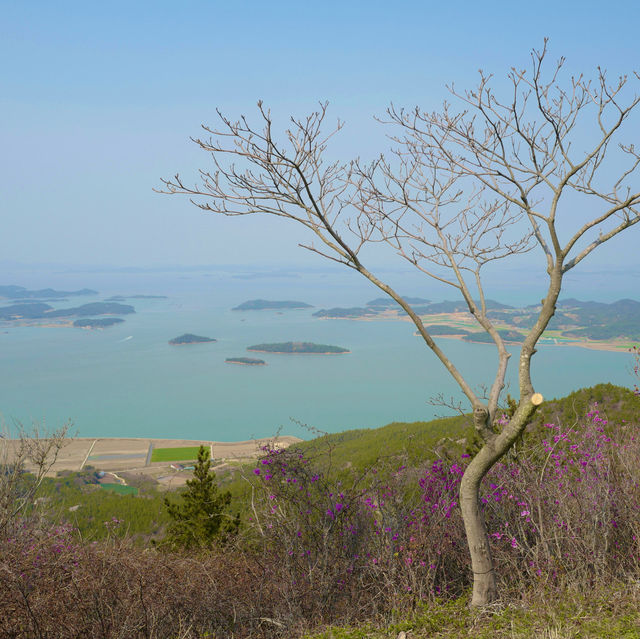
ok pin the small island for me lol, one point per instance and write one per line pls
(263, 305)
(14, 292)
(388, 302)
(95, 308)
(509, 336)
(246, 361)
(122, 298)
(444, 329)
(28, 311)
(346, 313)
(190, 338)
(298, 347)
(100, 323)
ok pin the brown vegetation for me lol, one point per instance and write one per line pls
(324, 546)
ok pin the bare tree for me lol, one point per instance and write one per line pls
(25, 459)
(462, 188)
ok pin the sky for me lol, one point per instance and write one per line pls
(98, 101)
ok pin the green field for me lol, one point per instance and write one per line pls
(120, 489)
(185, 453)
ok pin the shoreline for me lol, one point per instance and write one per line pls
(133, 454)
(611, 347)
(461, 320)
(254, 350)
(66, 323)
(465, 320)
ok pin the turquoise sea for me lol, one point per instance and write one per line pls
(126, 381)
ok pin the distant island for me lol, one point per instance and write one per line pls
(614, 326)
(190, 338)
(382, 308)
(444, 329)
(346, 313)
(379, 308)
(389, 302)
(298, 347)
(14, 292)
(103, 322)
(40, 311)
(122, 298)
(514, 337)
(247, 361)
(262, 305)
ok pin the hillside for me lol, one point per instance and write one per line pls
(360, 529)
(264, 305)
(410, 444)
(575, 322)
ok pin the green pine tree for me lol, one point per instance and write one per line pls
(200, 520)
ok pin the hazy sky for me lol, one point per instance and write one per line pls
(98, 101)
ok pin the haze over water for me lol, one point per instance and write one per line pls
(109, 385)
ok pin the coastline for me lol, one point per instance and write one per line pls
(611, 347)
(204, 341)
(133, 454)
(464, 320)
(66, 323)
(254, 350)
(459, 319)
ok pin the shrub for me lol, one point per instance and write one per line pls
(562, 516)
(564, 512)
(199, 519)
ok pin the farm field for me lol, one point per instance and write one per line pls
(182, 453)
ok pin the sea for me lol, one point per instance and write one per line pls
(127, 381)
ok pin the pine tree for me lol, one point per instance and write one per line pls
(200, 520)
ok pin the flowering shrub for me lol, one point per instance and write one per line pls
(568, 510)
(635, 351)
(319, 529)
(331, 545)
(362, 542)
(565, 510)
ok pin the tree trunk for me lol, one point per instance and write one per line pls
(484, 578)
(485, 589)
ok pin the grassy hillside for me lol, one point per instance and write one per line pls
(329, 551)
(620, 404)
(418, 442)
(77, 499)
(342, 454)
(413, 441)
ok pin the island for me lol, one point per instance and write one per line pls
(509, 336)
(103, 322)
(298, 347)
(246, 361)
(122, 298)
(190, 338)
(39, 311)
(14, 292)
(383, 308)
(346, 313)
(444, 329)
(614, 326)
(262, 305)
(96, 308)
(389, 302)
